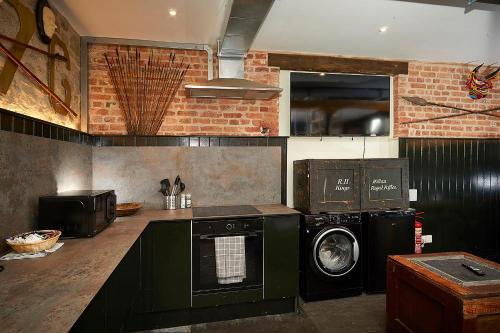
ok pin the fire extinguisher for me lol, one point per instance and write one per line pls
(418, 232)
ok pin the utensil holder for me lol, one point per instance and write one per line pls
(170, 202)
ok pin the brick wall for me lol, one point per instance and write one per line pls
(445, 84)
(436, 82)
(186, 116)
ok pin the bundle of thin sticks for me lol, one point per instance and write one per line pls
(145, 89)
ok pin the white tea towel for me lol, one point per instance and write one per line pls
(15, 256)
(230, 259)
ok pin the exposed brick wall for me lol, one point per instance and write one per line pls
(442, 83)
(186, 116)
(436, 82)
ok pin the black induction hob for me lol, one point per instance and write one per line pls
(225, 211)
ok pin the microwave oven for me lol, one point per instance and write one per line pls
(77, 213)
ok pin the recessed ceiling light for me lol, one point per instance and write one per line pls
(383, 28)
(172, 12)
(321, 74)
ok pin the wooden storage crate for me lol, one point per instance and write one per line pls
(421, 298)
(326, 185)
(384, 184)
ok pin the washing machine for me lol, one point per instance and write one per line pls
(330, 256)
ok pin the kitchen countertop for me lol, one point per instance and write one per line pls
(49, 294)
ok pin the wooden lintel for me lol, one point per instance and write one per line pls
(315, 63)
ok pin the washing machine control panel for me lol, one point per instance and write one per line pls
(337, 218)
(319, 220)
(344, 218)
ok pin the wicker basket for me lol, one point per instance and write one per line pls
(37, 246)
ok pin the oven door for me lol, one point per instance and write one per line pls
(204, 265)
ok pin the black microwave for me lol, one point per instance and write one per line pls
(77, 213)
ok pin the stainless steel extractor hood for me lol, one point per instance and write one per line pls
(243, 23)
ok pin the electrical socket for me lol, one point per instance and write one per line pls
(413, 194)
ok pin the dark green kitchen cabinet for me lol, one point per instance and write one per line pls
(281, 256)
(122, 289)
(166, 266)
(112, 306)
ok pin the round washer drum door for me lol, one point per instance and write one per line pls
(335, 251)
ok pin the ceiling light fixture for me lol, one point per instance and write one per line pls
(383, 29)
(172, 12)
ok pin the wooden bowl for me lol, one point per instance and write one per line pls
(35, 247)
(128, 208)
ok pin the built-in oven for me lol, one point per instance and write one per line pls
(207, 235)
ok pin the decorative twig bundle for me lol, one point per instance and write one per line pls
(145, 89)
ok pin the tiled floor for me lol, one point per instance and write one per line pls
(362, 314)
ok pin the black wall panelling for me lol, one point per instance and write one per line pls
(458, 183)
(15, 122)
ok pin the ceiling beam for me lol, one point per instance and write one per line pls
(327, 64)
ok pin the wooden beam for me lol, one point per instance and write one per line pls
(314, 63)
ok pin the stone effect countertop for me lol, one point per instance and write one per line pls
(49, 294)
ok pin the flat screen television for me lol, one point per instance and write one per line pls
(339, 105)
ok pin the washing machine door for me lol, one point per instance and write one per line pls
(335, 251)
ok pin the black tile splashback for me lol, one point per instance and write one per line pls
(11, 121)
(6, 122)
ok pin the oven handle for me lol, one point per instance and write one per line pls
(252, 234)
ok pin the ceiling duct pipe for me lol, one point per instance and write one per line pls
(244, 21)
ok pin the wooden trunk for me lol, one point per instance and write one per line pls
(384, 184)
(326, 185)
(423, 299)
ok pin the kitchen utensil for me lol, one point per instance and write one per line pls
(176, 185)
(165, 186)
(50, 238)
(128, 208)
(170, 202)
(168, 186)
(182, 187)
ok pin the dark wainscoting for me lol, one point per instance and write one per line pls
(458, 183)
(19, 123)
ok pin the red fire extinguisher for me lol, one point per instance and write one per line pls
(418, 232)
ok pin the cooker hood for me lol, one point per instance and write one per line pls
(243, 23)
(232, 88)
